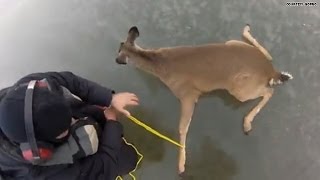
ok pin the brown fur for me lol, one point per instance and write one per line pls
(242, 68)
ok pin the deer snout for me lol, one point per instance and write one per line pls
(121, 61)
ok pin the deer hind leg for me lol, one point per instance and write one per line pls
(247, 123)
(247, 37)
(237, 43)
(187, 108)
(246, 88)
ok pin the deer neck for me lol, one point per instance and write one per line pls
(146, 60)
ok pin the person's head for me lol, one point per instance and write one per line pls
(51, 115)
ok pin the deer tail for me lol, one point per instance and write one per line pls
(280, 78)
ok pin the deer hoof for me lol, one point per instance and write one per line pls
(247, 128)
(247, 28)
(247, 133)
(182, 175)
(181, 170)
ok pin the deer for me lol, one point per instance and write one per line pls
(241, 67)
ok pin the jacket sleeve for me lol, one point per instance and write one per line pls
(111, 138)
(104, 164)
(87, 90)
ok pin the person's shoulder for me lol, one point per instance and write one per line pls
(3, 92)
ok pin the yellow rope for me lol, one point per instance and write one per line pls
(135, 120)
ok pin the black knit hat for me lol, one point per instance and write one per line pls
(51, 114)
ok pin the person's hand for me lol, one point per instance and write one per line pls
(110, 114)
(121, 100)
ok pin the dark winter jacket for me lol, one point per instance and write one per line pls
(114, 157)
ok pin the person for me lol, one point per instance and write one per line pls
(75, 127)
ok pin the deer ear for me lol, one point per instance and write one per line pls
(133, 34)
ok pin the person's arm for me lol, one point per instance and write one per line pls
(87, 90)
(103, 164)
(113, 158)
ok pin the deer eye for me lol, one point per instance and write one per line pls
(121, 44)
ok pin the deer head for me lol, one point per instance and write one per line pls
(127, 46)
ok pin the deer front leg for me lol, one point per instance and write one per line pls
(187, 108)
(247, 37)
(247, 127)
